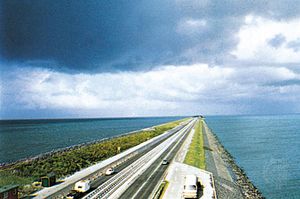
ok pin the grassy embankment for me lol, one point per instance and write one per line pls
(68, 162)
(196, 155)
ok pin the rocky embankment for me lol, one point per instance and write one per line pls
(231, 180)
(248, 189)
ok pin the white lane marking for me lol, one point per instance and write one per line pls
(149, 163)
(137, 162)
(159, 165)
(158, 148)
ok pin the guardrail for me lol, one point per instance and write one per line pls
(95, 171)
(130, 172)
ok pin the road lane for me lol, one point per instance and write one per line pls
(122, 166)
(60, 190)
(119, 182)
(144, 186)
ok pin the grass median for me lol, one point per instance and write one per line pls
(195, 155)
(68, 162)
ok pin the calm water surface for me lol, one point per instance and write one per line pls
(267, 147)
(24, 138)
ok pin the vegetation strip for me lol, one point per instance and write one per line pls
(195, 155)
(68, 162)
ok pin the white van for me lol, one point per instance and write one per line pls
(190, 186)
(82, 186)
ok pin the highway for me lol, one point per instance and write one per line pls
(143, 187)
(94, 172)
(140, 177)
(122, 166)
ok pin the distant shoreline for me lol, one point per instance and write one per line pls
(88, 118)
(137, 117)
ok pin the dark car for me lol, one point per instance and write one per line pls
(74, 195)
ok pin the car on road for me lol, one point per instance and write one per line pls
(74, 195)
(110, 171)
(165, 162)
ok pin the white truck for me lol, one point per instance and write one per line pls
(82, 186)
(80, 189)
(190, 186)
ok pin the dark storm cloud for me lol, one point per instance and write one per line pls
(87, 34)
(108, 35)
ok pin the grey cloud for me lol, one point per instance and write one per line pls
(294, 82)
(295, 45)
(219, 85)
(277, 41)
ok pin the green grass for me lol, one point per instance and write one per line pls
(68, 162)
(195, 155)
(7, 178)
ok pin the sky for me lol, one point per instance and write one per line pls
(89, 58)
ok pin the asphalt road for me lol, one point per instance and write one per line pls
(64, 191)
(120, 182)
(146, 183)
(122, 166)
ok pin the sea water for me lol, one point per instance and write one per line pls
(266, 147)
(26, 138)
